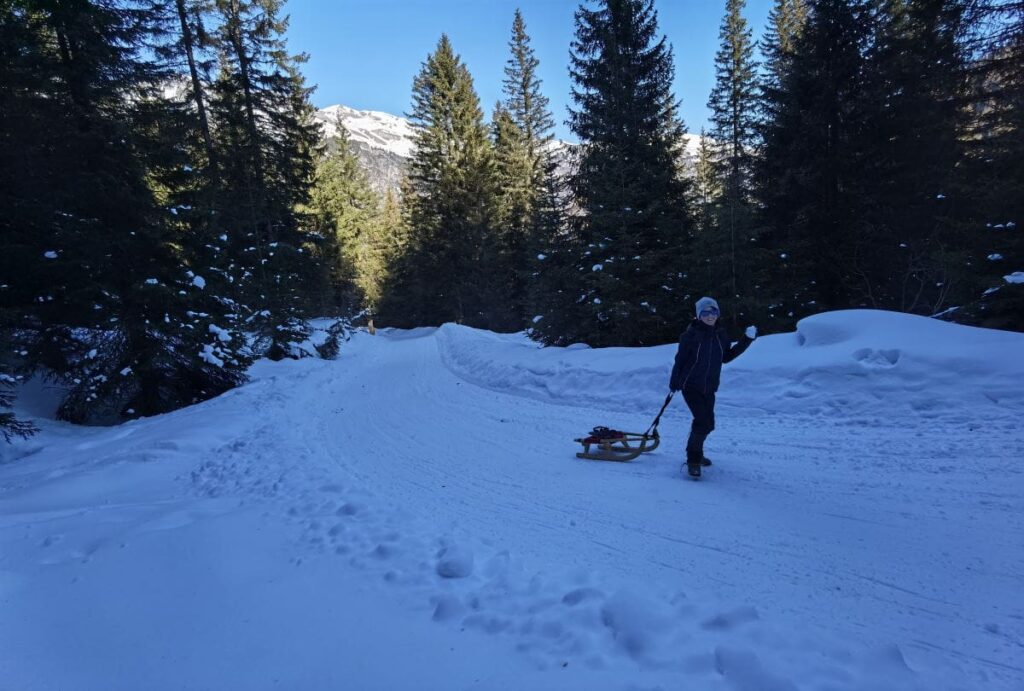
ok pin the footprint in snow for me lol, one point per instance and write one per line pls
(727, 621)
(384, 551)
(454, 562)
(743, 670)
(575, 597)
(350, 509)
(447, 608)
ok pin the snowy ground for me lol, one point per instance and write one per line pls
(411, 516)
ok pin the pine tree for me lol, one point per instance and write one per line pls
(993, 168)
(394, 239)
(712, 251)
(733, 105)
(514, 218)
(526, 168)
(267, 143)
(810, 171)
(100, 294)
(786, 21)
(442, 276)
(528, 107)
(706, 187)
(634, 227)
(347, 209)
(10, 426)
(907, 252)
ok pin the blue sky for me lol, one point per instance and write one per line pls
(365, 53)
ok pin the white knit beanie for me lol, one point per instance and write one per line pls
(704, 303)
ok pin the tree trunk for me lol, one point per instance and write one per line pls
(197, 88)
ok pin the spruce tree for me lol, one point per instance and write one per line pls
(733, 106)
(810, 171)
(10, 426)
(634, 227)
(993, 168)
(707, 188)
(347, 210)
(515, 212)
(907, 253)
(786, 21)
(100, 295)
(551, 279)
(528, 107)
(711, 266)
(267, 142)
(442, 276)
(530, 190)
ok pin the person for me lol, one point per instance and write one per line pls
(703, 347)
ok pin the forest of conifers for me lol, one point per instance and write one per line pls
(171, 211)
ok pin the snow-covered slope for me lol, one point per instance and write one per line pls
(412, 516)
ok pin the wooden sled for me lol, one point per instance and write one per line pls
(613, 445)
(617, 446)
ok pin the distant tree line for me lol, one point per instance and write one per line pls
(170, 211)
(866, 154)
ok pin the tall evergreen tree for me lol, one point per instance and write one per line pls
(529, 192)
(348, 211)
(810, 170)
(733, 105)
(10, 426)
(908, 254)
(528, 107)
(707, 187)
(786, 21)
(443, 275)
(993, 168)
(517, 197)
(267, 143)
(551, 277)
(634, 227)
(98, 290)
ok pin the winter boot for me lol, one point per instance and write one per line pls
(693, 470)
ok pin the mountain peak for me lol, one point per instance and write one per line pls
(375, 129)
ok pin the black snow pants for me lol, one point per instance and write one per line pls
(702, 405)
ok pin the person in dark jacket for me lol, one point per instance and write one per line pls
(703, 347)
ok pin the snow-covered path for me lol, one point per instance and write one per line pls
(395, 519)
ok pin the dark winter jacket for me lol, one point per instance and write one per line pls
(702, 350)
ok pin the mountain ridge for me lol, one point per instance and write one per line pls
(384, 143)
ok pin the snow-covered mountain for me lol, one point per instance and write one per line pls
(384, 143)
(374, 129)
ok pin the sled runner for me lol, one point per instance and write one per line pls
(615, 445)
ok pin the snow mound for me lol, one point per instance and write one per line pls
(853, 363)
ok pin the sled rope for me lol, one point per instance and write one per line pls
(654, 425)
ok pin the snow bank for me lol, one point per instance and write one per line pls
(329, 518)
(858, 364)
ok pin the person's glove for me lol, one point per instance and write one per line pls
(751, 332)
